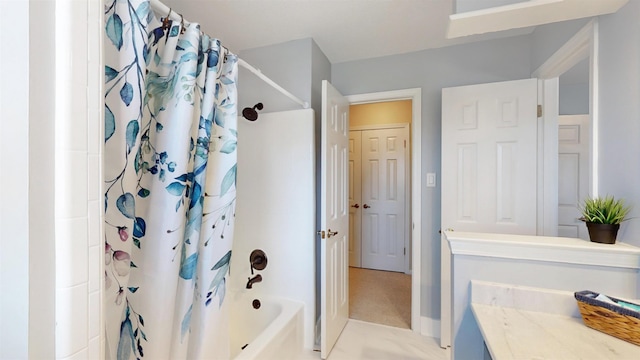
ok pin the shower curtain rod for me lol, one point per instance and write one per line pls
(161, 8)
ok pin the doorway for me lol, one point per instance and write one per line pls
(379, 226)
(418, 323)
(574, 144)
(378, 191)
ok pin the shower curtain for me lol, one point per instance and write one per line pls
(170, 173)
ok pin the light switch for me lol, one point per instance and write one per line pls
(431, 179)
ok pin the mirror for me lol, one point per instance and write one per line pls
(574, 143)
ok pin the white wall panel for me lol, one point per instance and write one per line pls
(78, 179)
(275, 208)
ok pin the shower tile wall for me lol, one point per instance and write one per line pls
(78, 218)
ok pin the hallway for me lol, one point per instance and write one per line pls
(381, 297)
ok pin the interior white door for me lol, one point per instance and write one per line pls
(383, 198)
(573, 173)
(355, 198)
(489, 166)
(334, 218)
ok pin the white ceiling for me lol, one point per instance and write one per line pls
(344, 29)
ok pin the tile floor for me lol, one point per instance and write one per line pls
(367, 341)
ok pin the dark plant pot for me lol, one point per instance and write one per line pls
(603, 233)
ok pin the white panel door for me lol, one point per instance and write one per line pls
(573, 173)
(355, 198)
(334, 218)
(383, 198)
(489, 163)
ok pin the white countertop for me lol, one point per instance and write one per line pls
(512, 333)
(522, 322)
(544, 248)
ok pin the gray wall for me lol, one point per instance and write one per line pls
(619, 91)
(288, 64)
(574, 89)
(619, 130)
(546, 40)
(432, 70)
(574, 99)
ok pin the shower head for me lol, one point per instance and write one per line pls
(250, 113)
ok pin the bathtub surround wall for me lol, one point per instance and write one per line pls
(276, 209)
(78, 194)
(40, 128)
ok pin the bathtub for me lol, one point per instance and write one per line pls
(274, 331)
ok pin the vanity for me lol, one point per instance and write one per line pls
(519, 322)
(547, 264)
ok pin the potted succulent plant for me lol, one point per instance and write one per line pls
(603, 216)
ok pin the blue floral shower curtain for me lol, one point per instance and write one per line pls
(170, 173)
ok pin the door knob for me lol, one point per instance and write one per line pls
(331, 233)
(366, 206)
(355, 206)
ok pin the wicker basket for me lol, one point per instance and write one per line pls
(609, 319)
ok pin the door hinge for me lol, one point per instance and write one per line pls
(405, 251)
(405, 144)
(539, 110)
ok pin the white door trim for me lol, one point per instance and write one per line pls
(572, 52)
(415, 95)
(378, 126)
(547, 197)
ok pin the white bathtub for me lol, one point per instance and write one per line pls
(274, 331)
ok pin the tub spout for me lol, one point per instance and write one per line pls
(255, 279)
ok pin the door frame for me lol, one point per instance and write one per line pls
(584, 44)
(407, 184)
(415, 95)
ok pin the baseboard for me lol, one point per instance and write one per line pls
(429, 327)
